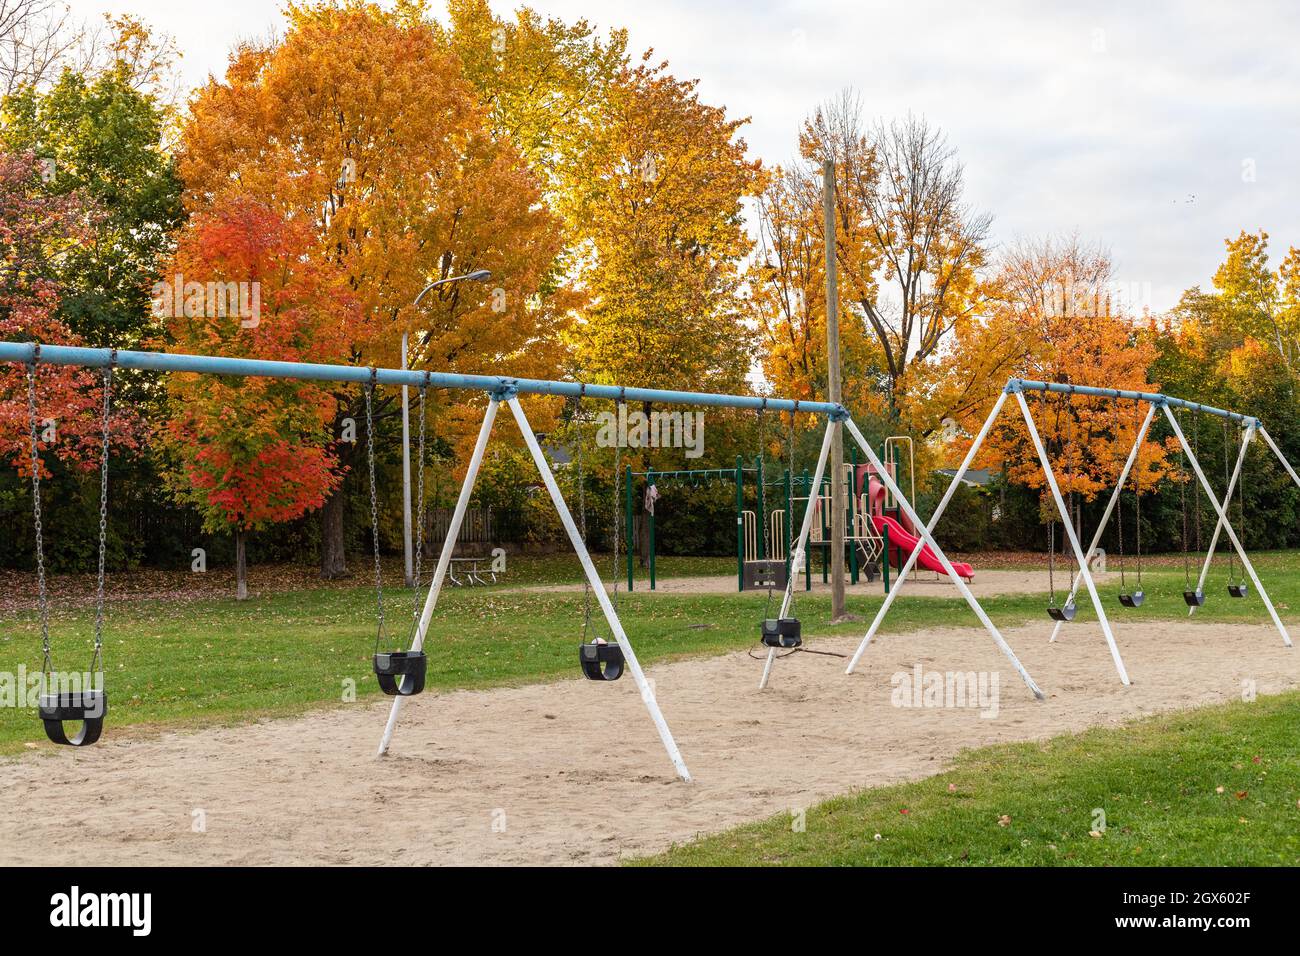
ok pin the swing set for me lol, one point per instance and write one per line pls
(1063, 612)
(402, 672)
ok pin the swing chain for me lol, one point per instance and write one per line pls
(1241, 500)
(582, 511)
(1051, 563)
(419, 492)
(1137, 505)
(1182, 486)
(1119, 519)
(793, 571)
(1051, 525)
(374, 500)
(618, 507)
(1227, 507)
(1196, 453)
(43, 598)
(1071, 506)
(98, 658)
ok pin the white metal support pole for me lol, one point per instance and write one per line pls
(892, 594)
(928, 538)
(797, 558)
(1278, 451)
(444, 559)
(1073, 538)
(1110, 508)
(406, 476)
(1218, 525)
(598, 586)
(1227, 526)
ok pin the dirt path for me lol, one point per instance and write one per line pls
(573, 772)
(985, 584)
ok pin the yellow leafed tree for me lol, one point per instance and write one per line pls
(661, 237)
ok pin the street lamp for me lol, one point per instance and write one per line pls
(478, 275)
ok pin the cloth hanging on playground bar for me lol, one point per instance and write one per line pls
(651, 496)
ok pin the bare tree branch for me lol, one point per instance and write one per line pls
(36, 36)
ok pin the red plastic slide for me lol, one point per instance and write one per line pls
(902, 544)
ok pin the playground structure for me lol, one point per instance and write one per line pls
(501, 390)
(1250, 427)
(875, 525)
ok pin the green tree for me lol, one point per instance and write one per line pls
(1252, 298)
(101, 138)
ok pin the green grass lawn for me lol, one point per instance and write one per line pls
(1212, 787)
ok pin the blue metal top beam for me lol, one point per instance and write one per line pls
(1155, 398)
(496, 385)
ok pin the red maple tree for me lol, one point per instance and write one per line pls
(250, 451)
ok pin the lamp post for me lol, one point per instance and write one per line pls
(478, 275)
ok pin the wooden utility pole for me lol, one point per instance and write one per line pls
(838, 504)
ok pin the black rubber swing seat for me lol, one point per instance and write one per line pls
(1064, 613)
(601, 661)
(1194, 598)
(785, 632)
(401, 673)
(88, 707)
(760, 575)
(1132, 600)
(1239, 590)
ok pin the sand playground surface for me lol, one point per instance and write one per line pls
(572, 772)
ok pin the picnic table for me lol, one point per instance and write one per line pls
(470, 571)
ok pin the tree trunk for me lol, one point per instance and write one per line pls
(333, 557)
(241, 565)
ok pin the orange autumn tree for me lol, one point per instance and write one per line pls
(1057, 297)
(249, 452)
(360, 124)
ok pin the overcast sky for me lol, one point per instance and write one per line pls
(1156, 129)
